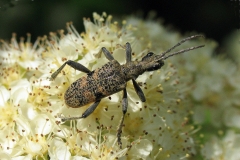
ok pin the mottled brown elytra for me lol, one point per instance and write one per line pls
(112, 78)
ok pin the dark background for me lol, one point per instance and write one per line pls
(214, 18)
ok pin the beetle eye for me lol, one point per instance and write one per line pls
(148, 55)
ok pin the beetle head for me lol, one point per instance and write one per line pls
(151, 63)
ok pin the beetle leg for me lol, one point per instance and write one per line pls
(138, 91)
(128, 52)
(107, 54)
(85, 114)
(124, 110)
(72, 64)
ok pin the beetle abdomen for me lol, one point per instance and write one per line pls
(95, 85)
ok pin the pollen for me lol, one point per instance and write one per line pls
(9, 74)
(38, 97)
(7, 115)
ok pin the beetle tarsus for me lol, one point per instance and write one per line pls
(119, 132)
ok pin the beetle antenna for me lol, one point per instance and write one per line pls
(179, 43)
(181, 51)
(163, 57)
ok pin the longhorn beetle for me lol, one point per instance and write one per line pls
(112, 78)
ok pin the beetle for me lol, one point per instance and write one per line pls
(111, 78)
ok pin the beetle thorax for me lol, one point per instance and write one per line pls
(132, 70)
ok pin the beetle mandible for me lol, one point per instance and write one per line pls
(112, 78)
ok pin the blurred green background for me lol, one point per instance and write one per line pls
(215, 18)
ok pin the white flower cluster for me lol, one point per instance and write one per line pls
(30, 104)
(221, 104)
(212, 87)
(226, 148)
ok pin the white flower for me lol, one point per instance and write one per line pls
(226, 148)
(31, 103)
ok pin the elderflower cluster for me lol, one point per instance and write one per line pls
(213, 88)
(226, 147)
(30, 104)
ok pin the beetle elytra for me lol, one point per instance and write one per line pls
(112, 78)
